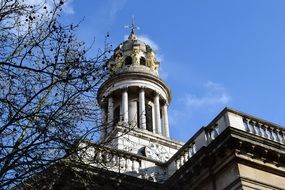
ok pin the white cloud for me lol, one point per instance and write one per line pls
(67, 7)
(149, 42)
(162, 73)
(116, 6)
(176, 116)
(159, 56)
(192, 105)
(215, 95)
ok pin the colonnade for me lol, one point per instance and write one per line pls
(160, 124)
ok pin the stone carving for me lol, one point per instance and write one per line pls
(135, 57)
(117, 64)
(119, 60)
(156, 152)
(150, 61)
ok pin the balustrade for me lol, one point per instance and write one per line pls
(111, 159)
(184, 155)
(228, 118)
(121, 161)
(270, 132)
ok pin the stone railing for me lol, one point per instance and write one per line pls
(116, 161)
(254, 125)
(227, 118)
(264, 129)
(122, 162)
(185, 155)
(201, 139)
(146, 168)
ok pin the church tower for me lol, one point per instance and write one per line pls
(134, 101)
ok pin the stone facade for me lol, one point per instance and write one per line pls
(235, 151)
(236, 157)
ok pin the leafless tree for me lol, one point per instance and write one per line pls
(48, 86)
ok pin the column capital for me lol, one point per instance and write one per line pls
(165, 103)
(124, 89)
(157, 93)
(142, 87)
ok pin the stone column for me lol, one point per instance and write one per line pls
(104, 120)
(110, 111)
(157, 114)
(142, 113)
(165, 121)
(133, 113)
(125, 105)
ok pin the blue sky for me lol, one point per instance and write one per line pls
(213, 53)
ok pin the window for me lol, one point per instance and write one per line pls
(148, 109)
(116, 115)
(142, 61)
(128, 60)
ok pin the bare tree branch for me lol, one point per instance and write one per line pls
(48, 89)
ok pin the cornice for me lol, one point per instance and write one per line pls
(131, 76)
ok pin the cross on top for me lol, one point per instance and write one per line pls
(132, 26)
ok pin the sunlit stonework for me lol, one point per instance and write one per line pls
(234, 151)
(134, 97)
(133, 55)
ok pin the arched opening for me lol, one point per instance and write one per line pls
(148, 110)
(116, 115)
(142, 61)
(128, 60)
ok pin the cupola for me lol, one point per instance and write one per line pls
(134, 96)
(133, 55)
